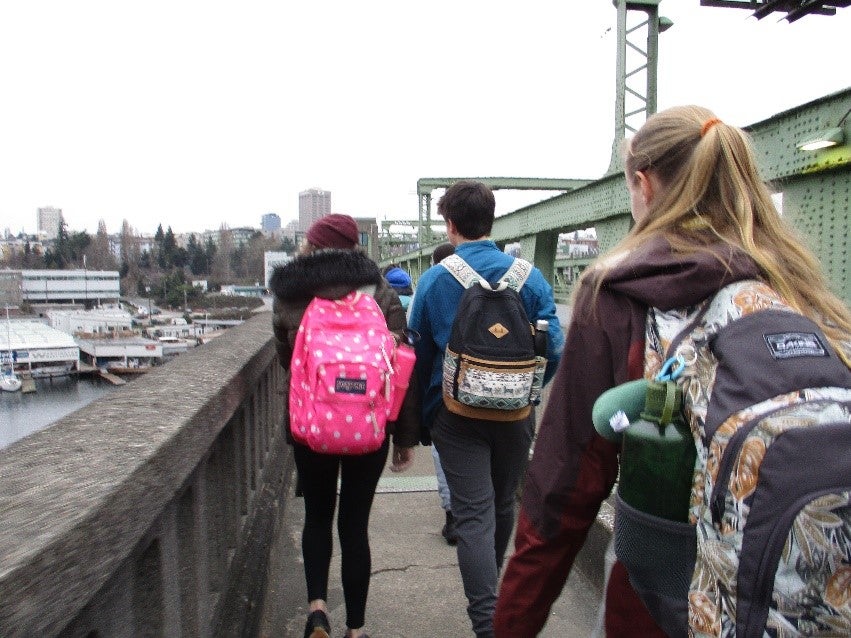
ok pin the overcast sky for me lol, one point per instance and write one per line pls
(198, 113)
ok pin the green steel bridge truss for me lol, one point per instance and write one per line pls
(815, 187)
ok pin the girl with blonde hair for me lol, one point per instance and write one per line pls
(703, 220)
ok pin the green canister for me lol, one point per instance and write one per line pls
(658, 456)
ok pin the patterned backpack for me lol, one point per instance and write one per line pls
(344, 376)
(491, 369)
(767, 550)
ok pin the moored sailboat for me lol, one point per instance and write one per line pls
(9, 381)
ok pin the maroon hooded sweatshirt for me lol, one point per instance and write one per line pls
(573, 468)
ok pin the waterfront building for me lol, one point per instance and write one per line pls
(174, 331)
(174, 346)
(38, 349)
(98, 321)
(87, 287)
(313, 204)
(121, 354)
(49, 220)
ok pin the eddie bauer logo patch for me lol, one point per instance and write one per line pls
(498, 330)
(787, 345)
(350, 386)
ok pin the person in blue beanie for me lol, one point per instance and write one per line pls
(400, 281)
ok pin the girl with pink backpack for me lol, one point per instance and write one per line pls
(331, 268)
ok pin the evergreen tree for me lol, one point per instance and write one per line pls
(287, 245)
(130, 271)
(210, 250)
(158, 248)
(59, 255)
(196, 257)
(169, 249)
(180, 258)
(78, 243)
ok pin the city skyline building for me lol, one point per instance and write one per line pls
(270, 222)
(49, 219)
(313, 204)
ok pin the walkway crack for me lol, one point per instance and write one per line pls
(415, 565)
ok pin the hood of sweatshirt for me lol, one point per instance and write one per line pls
(330, 274)
(656, 276)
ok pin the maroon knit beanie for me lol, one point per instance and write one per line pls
(333, 231)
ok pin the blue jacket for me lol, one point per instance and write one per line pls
(436, 301)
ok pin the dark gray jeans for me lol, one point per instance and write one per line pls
(484, 462)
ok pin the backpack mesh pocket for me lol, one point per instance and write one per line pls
(659, 556)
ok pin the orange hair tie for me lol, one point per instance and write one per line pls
(708, 124)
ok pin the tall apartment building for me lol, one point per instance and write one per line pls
(312, 204)
(49, 219)
(270, 222)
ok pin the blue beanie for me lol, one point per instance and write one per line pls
(398, 278)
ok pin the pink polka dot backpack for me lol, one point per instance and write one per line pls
(348, 376)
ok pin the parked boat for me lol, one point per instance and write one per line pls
(9, 381)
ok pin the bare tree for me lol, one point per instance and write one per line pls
(220, 268)
(131, 254)
(98, 253)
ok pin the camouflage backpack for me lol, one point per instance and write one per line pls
(768, 401)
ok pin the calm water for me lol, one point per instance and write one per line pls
(22, 414)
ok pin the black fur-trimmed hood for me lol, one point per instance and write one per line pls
(326, 273)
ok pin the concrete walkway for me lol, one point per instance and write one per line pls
(416, 587)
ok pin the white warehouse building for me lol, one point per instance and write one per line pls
(87, 287)
(99, 321)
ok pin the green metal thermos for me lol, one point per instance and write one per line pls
(658, 455)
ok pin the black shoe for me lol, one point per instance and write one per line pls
(448, 531)
(317, 625)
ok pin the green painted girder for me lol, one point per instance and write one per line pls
(426, 185)
(816, 189)
(793, 10)
(578, 209)
(595, 201)
(778, 157)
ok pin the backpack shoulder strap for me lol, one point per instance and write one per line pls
(728, 304)
(461, 270)
(517, 274)
(514, 277)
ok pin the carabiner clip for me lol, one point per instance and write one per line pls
(672, 369)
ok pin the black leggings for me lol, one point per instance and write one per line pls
(359, 478)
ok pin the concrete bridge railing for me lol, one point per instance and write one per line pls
(149, 511)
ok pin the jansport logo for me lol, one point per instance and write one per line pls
(350, 386)
(787, 345)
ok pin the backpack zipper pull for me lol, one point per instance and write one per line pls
(390, 371)
(372, 418)
(387, 359)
